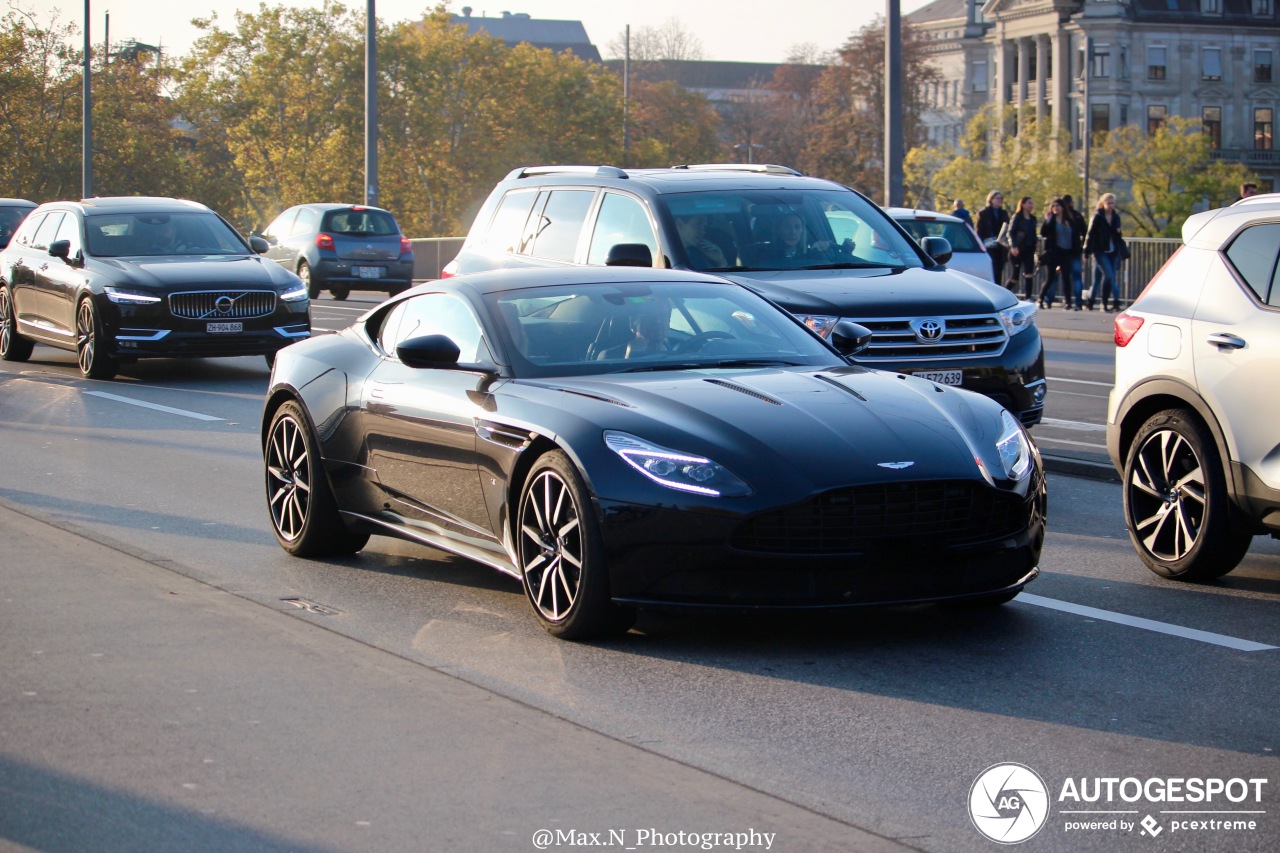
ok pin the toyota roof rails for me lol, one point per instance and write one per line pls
(766, 168)
(594, 171)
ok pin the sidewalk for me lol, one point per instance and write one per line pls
(144, 710)
(1086, 325)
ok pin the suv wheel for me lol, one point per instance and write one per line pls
(1176, 505)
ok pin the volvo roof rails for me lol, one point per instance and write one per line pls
(766, 168)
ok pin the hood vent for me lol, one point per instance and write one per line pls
(741, 390)
(600, 397)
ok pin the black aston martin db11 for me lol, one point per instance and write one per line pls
(621, 438)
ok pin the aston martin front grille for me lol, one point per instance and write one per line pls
(222, 304)
(888, 515)
(962, 337)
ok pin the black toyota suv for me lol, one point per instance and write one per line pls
(817, 248)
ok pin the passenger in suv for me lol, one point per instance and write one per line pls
(341, 247)
(856, 263)
(1191, 423)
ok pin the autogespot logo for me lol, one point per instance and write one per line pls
(1008, 803)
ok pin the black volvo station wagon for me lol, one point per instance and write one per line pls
(118, 279)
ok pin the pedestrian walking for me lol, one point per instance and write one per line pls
(1063, 245)
(958, 209)
(991, 219)
(1023, 239)
(1077, 263)
(1106, 245)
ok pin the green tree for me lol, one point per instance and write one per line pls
(1166, 176)
(671, 125)
(135, 142)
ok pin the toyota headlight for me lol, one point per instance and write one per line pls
(1014, 447)
(820, 323)
(685, 472)
(1019, 318)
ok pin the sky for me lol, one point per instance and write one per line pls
(736, 30)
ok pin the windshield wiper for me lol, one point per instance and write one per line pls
(757, 362)
(712, 365)
(849, 265)
(666, 365)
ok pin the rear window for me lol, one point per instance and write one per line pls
(360, 223)
(955, 233)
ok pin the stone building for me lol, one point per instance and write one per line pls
(1146, 60)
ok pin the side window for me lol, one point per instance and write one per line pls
(280, 225)
(560, 225)
(622, 219)
(507, 226)
(436, 314)
(48, 230)
(307, 222)
(27, 230)
(1253, 254)
(69, 230)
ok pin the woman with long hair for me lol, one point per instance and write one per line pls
(1022, 247)
(1103, 242)
(991, 219)
(1063, 243)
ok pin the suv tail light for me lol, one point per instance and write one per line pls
(406, 247)
(324, 241)
(1127, 325)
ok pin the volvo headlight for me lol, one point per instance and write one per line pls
(820, 323)
(1014, 447)
(1019, 318)
(685, 472)
(122, 296)
(298, 294)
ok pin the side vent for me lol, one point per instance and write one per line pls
(741, 390)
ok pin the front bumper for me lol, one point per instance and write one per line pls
(151, 331)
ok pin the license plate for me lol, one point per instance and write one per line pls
(942, 377)
(369, 272)
(224, 328)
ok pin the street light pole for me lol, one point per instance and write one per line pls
(86, 167)
(893, 137)
(370, 105)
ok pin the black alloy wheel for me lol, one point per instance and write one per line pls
(13, 347)
(304, 273)
(91, 345)
(558, 542)
(1176, 505)
(304, 513)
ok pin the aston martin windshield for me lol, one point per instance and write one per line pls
(606, 328)
(736, 230)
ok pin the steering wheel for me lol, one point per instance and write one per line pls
(696, 342)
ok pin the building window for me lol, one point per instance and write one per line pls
(1156, 62)
(1263, 129)
(980, 76)
(1211, 7)
(1262, 7)
(1211, 63)
(1156, 115)
(1212, 118)
(1262, 66)
(1101, 60)
(1124, 114)
(1100, 120)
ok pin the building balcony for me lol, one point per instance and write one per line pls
(1247, 156)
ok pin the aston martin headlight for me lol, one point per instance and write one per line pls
(123, 296)
(1019, 318)
(1014, 447)
(298, 294)
(820, 323)
(685, 472)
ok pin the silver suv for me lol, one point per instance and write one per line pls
(1192, 421)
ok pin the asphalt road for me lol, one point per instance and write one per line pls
(877, 721)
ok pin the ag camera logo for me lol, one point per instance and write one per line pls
(1008, 803)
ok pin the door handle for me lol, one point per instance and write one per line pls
(1226, 340)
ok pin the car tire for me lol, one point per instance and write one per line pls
(340, 293)
(561, 555)
(271, 359)
(13, 347)
(304, 512)
(90, 355)
(304, 273)
(1176, 505)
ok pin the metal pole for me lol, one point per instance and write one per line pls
(893, 139)
(371, 105)
(626, 97)
(86, 156)
(1086, 142)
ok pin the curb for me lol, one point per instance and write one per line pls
(1083, 468)
(1077, 335)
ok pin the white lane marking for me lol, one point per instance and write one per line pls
(1080, 381)
(1076, 425)
(1145, 624)
(155, 406)
(1058, 392)
(1041, 439)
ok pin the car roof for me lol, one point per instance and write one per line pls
(919, 213)
(497, 281)
(326, 206)
(699, 176)
(132, 204)
(16, 202)
(1209, 229)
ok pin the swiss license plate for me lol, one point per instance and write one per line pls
(942, 377)
(224, 328)
(369, 272)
